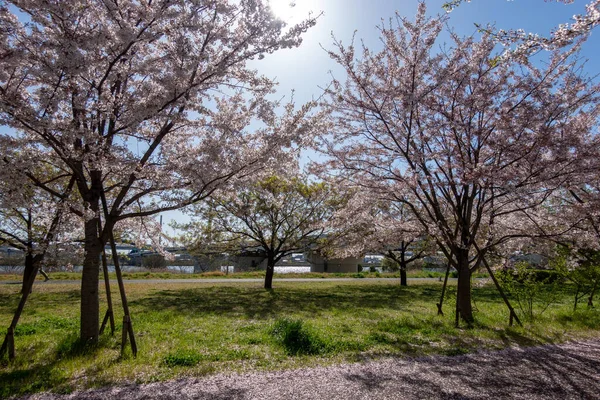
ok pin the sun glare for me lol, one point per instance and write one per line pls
(292, 11)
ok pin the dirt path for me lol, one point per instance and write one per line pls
(566, 371)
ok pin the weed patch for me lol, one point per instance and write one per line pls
(296, 338)
(182, 358)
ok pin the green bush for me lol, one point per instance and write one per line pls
(296, 337)
(546, 275)
(522, 273)
(532, 294)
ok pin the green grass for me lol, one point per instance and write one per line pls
(192, 330)
(162, 274)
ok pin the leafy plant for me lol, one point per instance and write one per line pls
(533, 293)
(297, 338)
(584, 272)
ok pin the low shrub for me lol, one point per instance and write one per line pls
(547, 275)
(532, 294)
(296, 337)
(521, 273)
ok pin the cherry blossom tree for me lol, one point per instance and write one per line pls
(579, 252)
(276, 214)
(32, 219)
(146, 103)
(563, 35)
(471, 146)
(368, 223)
(28, 202)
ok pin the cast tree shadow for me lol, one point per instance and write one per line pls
(570, 371)
(257, 303)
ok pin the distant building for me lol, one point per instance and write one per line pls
(321, 264)
(123, 249)
(9, 251)
(532, 260)
(372, 260)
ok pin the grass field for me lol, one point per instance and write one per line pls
(165, 274)
(197, 329)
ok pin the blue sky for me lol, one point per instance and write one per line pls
(307, 68)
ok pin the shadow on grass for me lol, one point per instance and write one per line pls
(585, 317)
(46, 374)
(417, 336)
(489, 293)
(31, 380)
(9, 301)
(259, 303)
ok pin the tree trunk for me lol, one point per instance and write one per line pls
(90, 308)
(403, 281)
(8, 343)
(441, 303)
(269, 275)
(27, 271)
(591, 298)
(463, 296)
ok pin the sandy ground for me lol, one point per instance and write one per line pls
(566, 371)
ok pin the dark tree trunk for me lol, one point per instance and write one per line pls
(8, 343)
(29, 267)
(463, 296)
(269, 274)
(90, 308)
(441, 303)
(27, 271)
(403, 268)
(591, 298)
(93, 244)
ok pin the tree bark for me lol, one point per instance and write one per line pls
(403, 268)
(441, 303)
(269, 274)
(8, 343)
(29, 267)
(27, 271)
(463, 296)
(591, 298)
(90, 307)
